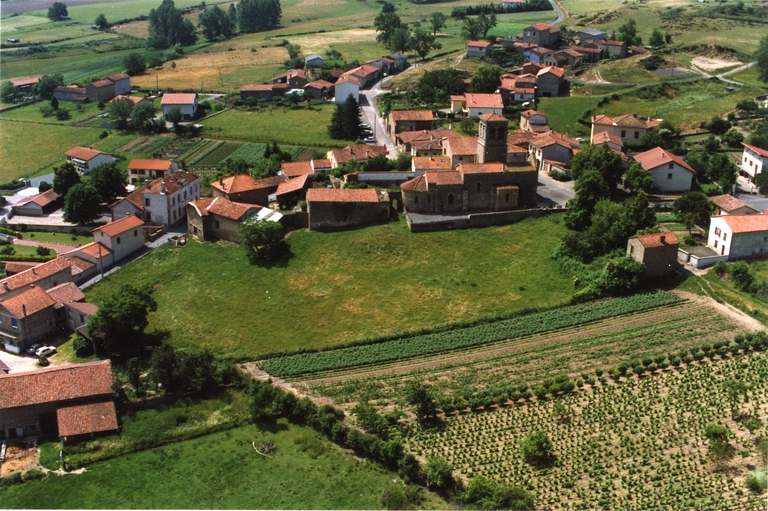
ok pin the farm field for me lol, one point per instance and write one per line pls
(222, 471)
(635, 445)
(329, 287)
(31, 113)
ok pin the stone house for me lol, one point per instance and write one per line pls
(657, 251)
(85, 159)
(588, 53)
(534, 121)
(406, 140)
(409, 120)
(68, 401)
(162, 201)
(460, 150)
(214, 218)
(479, 49)
(314, 60)
(321, 89)
(616, 49)
(70, 93)
(47, 275)
(289, 193)
(245, 189)
(670, 173)
(542, 35)
(264, 92)
(739, 236)
(295, 78)
(333, 209)
(108, 88)
(186, 103)
(296, 168)
(537, 54)
(591, 35)
(549, 81)
(37, 205)
(753, 160)
(26, 318)
(730, 205)
(359, 152)
(605, 137)
(422, 164)
(628, 127)
(25, 84)
(552, 146)
(150, 169)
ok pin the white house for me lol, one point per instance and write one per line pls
(533, 120)
(345, 86)
(161, 202)
(150, 169)
(479, 49)
(669, 172)
(481, 104)
(753, 160)
(187, 103)
(739, 236)
(85, 159)
(122, 237)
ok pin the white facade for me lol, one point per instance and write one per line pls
(476, 112)
(344, 89)
(739, 245)
(84, 167)
(672, 177)
(752, 162)
(122, 244)
(168, 209)
(122, 86)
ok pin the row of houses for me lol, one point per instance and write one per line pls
(100, 90)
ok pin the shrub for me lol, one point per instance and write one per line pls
(12, 479)
(757, 481)
(33, 475)
(716, 432)
(536, 446)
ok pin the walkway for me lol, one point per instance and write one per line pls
(58, 247)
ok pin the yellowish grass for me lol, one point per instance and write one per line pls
(320, 42)
(24, 20)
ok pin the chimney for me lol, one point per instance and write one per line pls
(221, 181)
(367, 154)
(162, 187)
(23, 310)
(5, 286)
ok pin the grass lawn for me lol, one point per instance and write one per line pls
(749, 76)
(347, 285)
(23, 250)
(295, 126)
(116, 12)
(221, 471)
(31, 113)
(61, 238)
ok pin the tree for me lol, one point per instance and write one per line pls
(602, 159)
(723, 170)
(62, 114)
(733, 138)
(487, 22)
(486, 79)
(622, 275)
(483, 493)
(167, 27)
(57, 11)
(536, 447)
(439, 473)
(133, 368)
(122, 318)
(163, 366)
(216, 24)
(735, 390)
(261, 239)
(54, 103)
(257, 15)
(420, 396)
(438, 21)
(134, 64)
(120, 110)
(232, 13)
(590, 187)
(657, 38)
(142, 115)
(81, 204)
(7, 92)
(637, 178)
(628, 33)
(44, 186)
(309, 96)
(400, 41)
(761, 59)
(47, 83)
(345, 121)
(109, 181)
(101, 22)
(690, 207)
(717, 125)
(386, 23)
(64, 178)
(471, 29)
(175, 117)
(422, 42)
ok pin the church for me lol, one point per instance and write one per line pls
(497, 180)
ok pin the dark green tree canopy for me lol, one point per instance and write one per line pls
(57, 11)
(345, 121)
(101, 22)
(120, 110)
(486, 79)
(109, 181)
(167, 27)
(261, 239)
(134, 64)
(81, 204)
(637, 178)
(216, 23)
(122, 318)
(536, 446)
(761, 59)
(386, 23)
(64, 178)
(602, 159)
(47, 83)
(422, 397)
(692, 207)
(258, 15)
(437, 21)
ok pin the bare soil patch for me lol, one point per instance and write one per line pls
(18, 459)
(713, 63)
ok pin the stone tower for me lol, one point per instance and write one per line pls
(492, 139)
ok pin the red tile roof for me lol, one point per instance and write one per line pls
(135, 99)
(120, 226)
(178, 98)
(17, 267)
(484, 100)
(557, 71)
(436, 134)
(417, 184)
(521, 138)
(657, 157)
(118, 76)
(223, 207)
(530, 113)
(478, 44)
(746, 223)
(83, 153)
(443, 178)
(256, 87)
(41, 200)
(318, 84)
(612, 43)
(102, 83)
(67, 292)
(541, 26)
(94, 250)
(461, 146)
(28, 302)
(493, 117)
(552, 137)
(726, 203)
(481, 168)
(20, 82)
(322, 163)
(174, 182)
(761, 152)
(137, 164)
(242, 183)
(360, 152)
(292, 185)
(412, 115)
(60, 383)
(626, 120)
(52, 267)
(605, 137)
(87, 418)
(299, 168)
(334, 195)
(86, 308)
(431, 163)
(662, 239)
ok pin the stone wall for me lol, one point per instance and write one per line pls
(474, 220)
(337, 215)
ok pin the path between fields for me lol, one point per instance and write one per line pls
(58, 247)
(741, 318)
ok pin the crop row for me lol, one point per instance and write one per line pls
(250, 153)
(402, 348)
(190, 151)
(207, 152)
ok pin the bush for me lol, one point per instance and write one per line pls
(720, 268)
(757, 481)
(716, 432)
(33, 475)
(82, 346)
(10, 480)
(43, 251)
(536, 446)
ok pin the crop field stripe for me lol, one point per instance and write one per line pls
(403, 348)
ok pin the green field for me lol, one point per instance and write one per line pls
(31, 113)
(85, 14)
(749, 76)
(295, 126)
(349, 285)
(60, 238)
(221, 471)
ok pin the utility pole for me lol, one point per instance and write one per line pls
(157, 84)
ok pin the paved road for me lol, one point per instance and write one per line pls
(368, 105)
(560, 15)
(550, 191)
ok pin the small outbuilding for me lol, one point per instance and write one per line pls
(658, 252)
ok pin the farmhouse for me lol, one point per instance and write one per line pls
(591, 35)
(460, 150)
(730, 205)
(537, 54)
(413, 141)
(47, 275)
(320, 89)
(292, 191)
(37, 205)
(606, 137)
(108, 88)
(410, 120)
(264, 92)
(360, 152)
(739, 236)
(135, 99)
(85, 159)
(534, 121)
(542, 35)
(517, 88)
(162, 201)
(479, 49)
(670, 173)
(549, 81)
(219, 218)
(295, 78)
(475, 104)
(347, 86)
(297, 168)
(25, 84)
(70, 93)
(658, 252)
(68, 401)
(331, 208)
(616, 49)
(186, 103)
(245, 189)
(150, 169)
(422, 164)
(552, 146)
(628, 127)
(122, 237)
(754, 160)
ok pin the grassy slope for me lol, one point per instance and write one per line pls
(220, 471)
(347, 285)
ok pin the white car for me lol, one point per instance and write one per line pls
(32, 349)
(45, 351)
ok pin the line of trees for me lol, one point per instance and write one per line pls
(167, 27)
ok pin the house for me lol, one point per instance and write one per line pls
(150, 169)
(730, 205)
(549, 81)
(426, 147)
(186, 103)
(296, 169)
(122, 238)
(321, 89)
(366, 74)
(517, 88)
(476, 104)
(393, 63)
(85, 159)
(246, 189)
(754, 160)
(37, 205)
(670, 173)
(460, 150)
(409, 120)
(314, 60)
(359, 152)
(25, 84)
(534, 121)
(292, 191)
(47, 275)
(605, 137)
(573, 58)
(219, 218)
(295, 78)
(542, 35)
(347, 86)
(739, 236)
(162, 201)
(68, 401)
(588, 54)
(108, 88)
(628, 127)
(405, 140)
(537, 54)
(332, 208)
(422, 164)
(616, 49)
(70, 93)
(658, 252)
(260, 91)
(552, 146)
(135, 99)
(71, 309)
(592, 35)
(479, 49)
(556, 59)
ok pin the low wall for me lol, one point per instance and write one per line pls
(68, 229)
(474, 220)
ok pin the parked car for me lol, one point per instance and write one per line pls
(45, 351)
(365, 126)
(32, 349)
(370, 140)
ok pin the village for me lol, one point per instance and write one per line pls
(109, 312)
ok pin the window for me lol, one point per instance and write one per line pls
(118, 240)
(623, 133)
(82, 318)
(14, 322)
(135, 233)
(146, 202)
(429, 199)
(173, 201)
(478, 187)
(631, 249)
(715, 243)
(450, 198)
(765, 239)
(725, 236)
(717, 231)
(671, 166)
(637, 135)
(416, 200)
(174, 214)
(745, 159)
(507, 197)
(669, 176)
(216, 224)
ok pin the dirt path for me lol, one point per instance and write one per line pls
(57, 247)
(740, 318)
